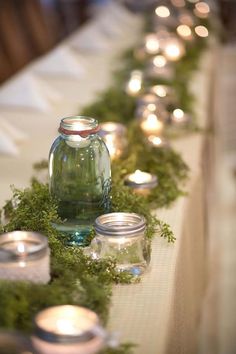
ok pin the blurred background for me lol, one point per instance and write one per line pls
(29, 28)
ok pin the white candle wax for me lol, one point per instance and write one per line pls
(201, 31)
(202, 9)
(24, 256)
(152, 125)
(67, 330)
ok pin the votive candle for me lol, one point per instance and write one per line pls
(68, 329)
(24, 255)
(141, 182)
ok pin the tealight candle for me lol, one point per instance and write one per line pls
(159, 67)
(158, 141)
(134, 84)
(68, 329)
(185, 32)
(202, 9)
(24, 256)
(179, 118)
(164, 92)
(141, 182)
(162, 11)
(174, 49)
(201, 31)
(151, 43)
(114, 136)
(152, 125)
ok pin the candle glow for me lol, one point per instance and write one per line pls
(202, 9)
(174, 49)
(159, 61)
(201, 31)
(140, 177)
(152, 125)
(184, 31)
(162, 11)
(152, 44)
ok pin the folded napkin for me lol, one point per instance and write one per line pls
(24, 92)
(61, 62)
(90, 39)
(9, 137)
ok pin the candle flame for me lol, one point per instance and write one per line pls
(160, 90)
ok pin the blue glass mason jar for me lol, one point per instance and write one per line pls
(79, 177)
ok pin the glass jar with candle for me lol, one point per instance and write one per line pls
(80, 177)
(24, 255)
(68, 329)
(121, 235)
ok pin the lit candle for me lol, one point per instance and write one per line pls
(24, 256)
(180, 118)
(114, 136)
(159, 67)
(185, 32)
(202, 9)
(152, 125)
(134, 85)
(68, 329)
(151, 43)
(158, 141)
(162, 11)
(201, 31)
(174, 49)
(164, 92)
(141, 182)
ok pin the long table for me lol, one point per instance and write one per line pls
(161, 313)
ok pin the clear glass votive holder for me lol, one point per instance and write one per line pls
(68, 329)
(115, 137)
(24, 255)
(141, 182)
(121, 236)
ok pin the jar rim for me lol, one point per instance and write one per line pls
(51, 335)
(37, 249)
(78, 125)
(120, 224)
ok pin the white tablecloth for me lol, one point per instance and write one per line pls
(161, 313)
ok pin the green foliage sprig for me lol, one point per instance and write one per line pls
(75, 278)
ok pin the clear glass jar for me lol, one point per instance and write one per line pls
(79, 177)
(122, 236)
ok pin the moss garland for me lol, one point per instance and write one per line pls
(75, 278)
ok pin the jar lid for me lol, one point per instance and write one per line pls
(67, 324)
(120, 224)
(79, 125)
(22, 246)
